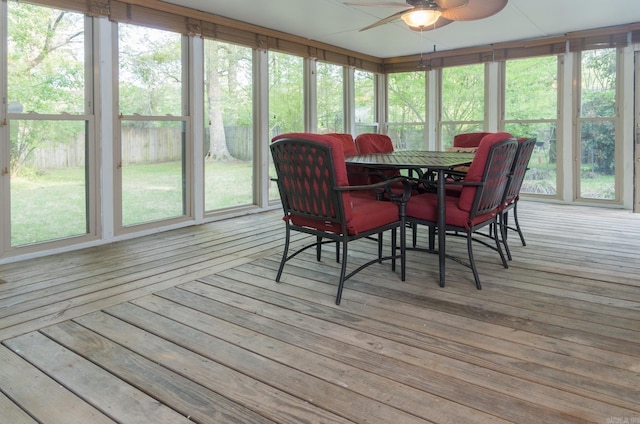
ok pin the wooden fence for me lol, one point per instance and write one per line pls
(140, 145)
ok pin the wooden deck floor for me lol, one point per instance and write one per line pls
(189, 326)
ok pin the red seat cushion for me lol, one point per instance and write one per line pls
(366, 214)
(425, 207)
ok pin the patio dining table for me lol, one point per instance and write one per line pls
(423, 162)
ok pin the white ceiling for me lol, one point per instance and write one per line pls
(332, 22)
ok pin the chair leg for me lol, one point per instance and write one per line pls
(432, 238)
(517, 223)
(318, 248)
(403, 249)
(414, 229)
(498, 245)
(380, 247)
(394, 245)
(503, 225)
(472, 262)
(343, 271)
(287, 237)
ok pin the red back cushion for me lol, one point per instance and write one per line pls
(348, 143)
(336, 151)
(471, 139)
(476, 169)
(374, 143)
(338, 162)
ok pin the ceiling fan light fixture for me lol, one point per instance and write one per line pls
(421, 18)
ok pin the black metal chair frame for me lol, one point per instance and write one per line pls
(331, 204)
(511, 195)
(487, 200)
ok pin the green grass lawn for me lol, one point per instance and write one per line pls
(52, 205)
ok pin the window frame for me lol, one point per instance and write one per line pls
(92, 152)
(187, 141)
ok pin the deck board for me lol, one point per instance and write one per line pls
(189, 326)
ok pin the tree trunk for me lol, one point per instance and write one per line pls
(217, 142)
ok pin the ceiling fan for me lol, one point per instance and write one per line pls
(426, 15)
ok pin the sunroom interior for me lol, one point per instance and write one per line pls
(157, 90)
(140, 230)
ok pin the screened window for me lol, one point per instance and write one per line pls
(531, 110)
(596, 129)
(286, 93)
(51, 124)
(462, 104)
(286, 100)
(228, 133)
(330, 97)
(365, 102)
(153, 125)
(407, 110)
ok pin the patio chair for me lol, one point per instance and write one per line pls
(478, 204)
(348, 143)
(367, 143)
(357, 175)
(468, 140)
(468, 143)
(316, 199)
(512, 192)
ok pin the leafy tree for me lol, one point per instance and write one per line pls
(286, 102)
(150, 71)
(462, 100)
(330, 96)
(365, 100)
(407, 108)
(229, 92)
(45, 75)
(407, 97)
(531, 89)
(598, 101)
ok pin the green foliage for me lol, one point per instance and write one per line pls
(234, 69)
(150, 71)
(330, 94)
(365, 97)
(45, 75)
(407, 109)
(462, 101)
(598, 95)
(531, 88)
(286, 101)
(407, 97)
(598, 146)
(45, 59)
(463, 93)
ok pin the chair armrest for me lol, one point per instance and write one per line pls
(384, 186)
(464, 183)
(455, 175)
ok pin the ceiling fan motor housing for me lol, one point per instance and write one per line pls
(430, 4)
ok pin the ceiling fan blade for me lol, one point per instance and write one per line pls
(474, 9)
(384, 21)
(438, 24)
(380, 4)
